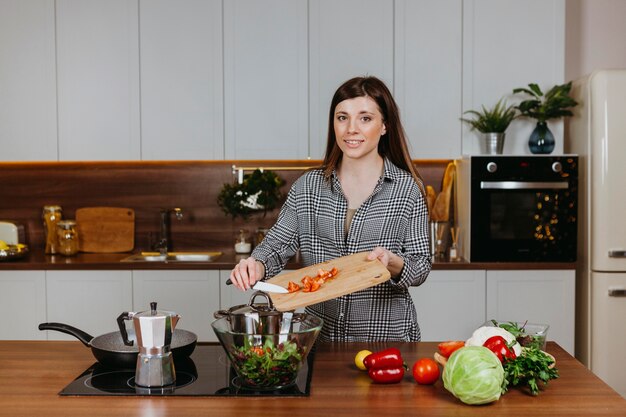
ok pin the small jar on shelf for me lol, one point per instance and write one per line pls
(67, 236)
(51, 216)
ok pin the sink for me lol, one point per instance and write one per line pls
(173, 257)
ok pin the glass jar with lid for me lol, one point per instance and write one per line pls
(51, 216)
(67, 236)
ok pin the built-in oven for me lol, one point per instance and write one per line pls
(518, 208)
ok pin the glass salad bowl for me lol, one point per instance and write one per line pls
(527, 334)
(268, 361)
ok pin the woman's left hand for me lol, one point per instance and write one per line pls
(392, 262)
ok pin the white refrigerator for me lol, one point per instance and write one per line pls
(597, 133)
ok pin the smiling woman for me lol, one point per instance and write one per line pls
(367, 196)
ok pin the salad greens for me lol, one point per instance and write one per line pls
(267, 365)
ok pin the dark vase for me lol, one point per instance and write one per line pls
(541, 139)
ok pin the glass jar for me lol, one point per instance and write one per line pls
(241, 244)
(51, 216)
(67, 237)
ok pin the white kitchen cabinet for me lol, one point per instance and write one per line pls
(450, 304)
(509, 44)
(88, 300)
(194, 295)
(427, 76)
(265, 79)
(181, 80)
(22, 304)
(98, 79)
(347, 38)
(28, 124)
(539, 296)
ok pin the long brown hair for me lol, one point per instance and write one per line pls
(392, 144)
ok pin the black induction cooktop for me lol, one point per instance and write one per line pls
(207, 372)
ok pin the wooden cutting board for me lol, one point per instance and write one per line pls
(355, 273)
(105, 229)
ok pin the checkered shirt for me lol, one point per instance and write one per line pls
(394, 217)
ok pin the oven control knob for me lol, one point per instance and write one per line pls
(492, 167)
(557, 167)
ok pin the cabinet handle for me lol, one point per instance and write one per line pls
(523, 185)
(617, 292)
(617, 253)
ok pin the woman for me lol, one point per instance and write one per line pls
(367, 196)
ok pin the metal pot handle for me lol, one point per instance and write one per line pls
(263, 294)
(221, 313)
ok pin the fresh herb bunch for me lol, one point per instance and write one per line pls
(268, 365)
(259, 191)
(529, 369)
(554, 104)
(495, 120)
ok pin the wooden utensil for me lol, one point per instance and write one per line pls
(106, 229)
(355, 273)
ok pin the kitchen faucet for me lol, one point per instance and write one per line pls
(164, 243)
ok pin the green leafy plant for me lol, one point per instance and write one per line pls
(259, 192)
(531, 369)
(494, 120)
(551, 105)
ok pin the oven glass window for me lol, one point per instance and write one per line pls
(513, 215)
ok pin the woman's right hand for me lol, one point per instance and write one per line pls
(246, 273)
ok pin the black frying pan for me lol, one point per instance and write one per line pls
(109, 349)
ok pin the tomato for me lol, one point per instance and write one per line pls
(426, 371)
(447, 348)
(358, 359)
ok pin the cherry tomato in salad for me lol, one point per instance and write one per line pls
(447, 348)
(426, 371)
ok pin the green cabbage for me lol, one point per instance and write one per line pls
(474, 375)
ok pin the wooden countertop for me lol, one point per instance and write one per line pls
(33, 372)
(111, 261)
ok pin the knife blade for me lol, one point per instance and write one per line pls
(265, 286)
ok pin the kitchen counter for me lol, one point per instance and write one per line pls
(111, 261)
(33, 372)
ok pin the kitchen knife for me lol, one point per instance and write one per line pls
(265, 286)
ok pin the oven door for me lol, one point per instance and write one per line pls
(519, 221)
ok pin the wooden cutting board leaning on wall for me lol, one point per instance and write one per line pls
(105, 229)
(355, 273)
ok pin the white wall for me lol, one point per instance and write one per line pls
(595, 36)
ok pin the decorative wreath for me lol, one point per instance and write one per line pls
(259, 191)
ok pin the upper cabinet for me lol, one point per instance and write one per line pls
(28, 124)
(347, 38)
(181, 80)
(427, 81)
(249, 79)
(98, 79)
(265, 79)
(509, 44)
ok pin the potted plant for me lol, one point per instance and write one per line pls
(492, 123)
(258, 192)
(552, 105)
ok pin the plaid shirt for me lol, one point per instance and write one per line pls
(394, 217)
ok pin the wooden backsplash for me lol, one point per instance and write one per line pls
(147, 187)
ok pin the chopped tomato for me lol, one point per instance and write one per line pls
(293, 287)
(447, 348)
(334, 271)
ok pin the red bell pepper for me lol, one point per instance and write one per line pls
(385, 366)
(388, 358)
(386, 375)
(499, 346)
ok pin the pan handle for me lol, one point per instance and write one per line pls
(120, 323)
(84, 337)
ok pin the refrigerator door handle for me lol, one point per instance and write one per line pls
(617, 292)
(617, 253)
